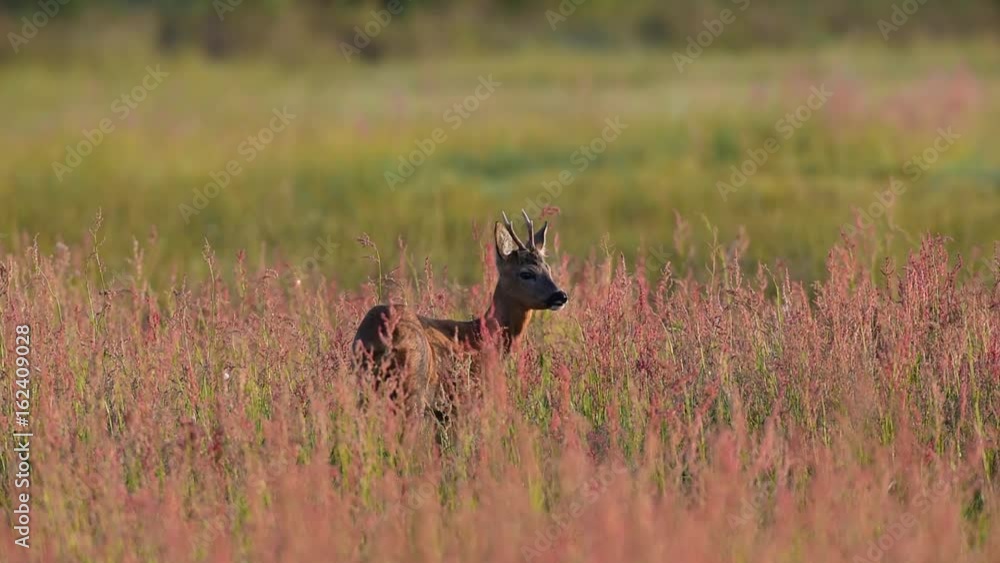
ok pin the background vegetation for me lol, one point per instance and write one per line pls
(309, 28)
(323, 179)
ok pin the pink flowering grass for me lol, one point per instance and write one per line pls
(711, 417)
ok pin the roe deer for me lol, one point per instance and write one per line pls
(417, 352)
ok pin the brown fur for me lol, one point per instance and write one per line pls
(418, 354)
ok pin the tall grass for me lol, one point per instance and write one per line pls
(716, 417)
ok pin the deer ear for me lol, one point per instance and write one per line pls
(505, 243)
(539, 239)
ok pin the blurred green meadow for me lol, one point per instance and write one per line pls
(320, 183)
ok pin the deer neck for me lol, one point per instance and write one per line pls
(506, 317)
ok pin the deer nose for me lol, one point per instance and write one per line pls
(557, 300)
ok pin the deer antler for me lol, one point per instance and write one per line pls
(510, 229)
(531, 229)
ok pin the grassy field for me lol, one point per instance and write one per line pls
(323, 178)
(738, 376)
(697, 421)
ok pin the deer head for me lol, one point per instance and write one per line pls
(525, 278)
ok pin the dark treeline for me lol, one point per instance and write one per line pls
(375, 28)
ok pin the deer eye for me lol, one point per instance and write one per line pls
(526, 275)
